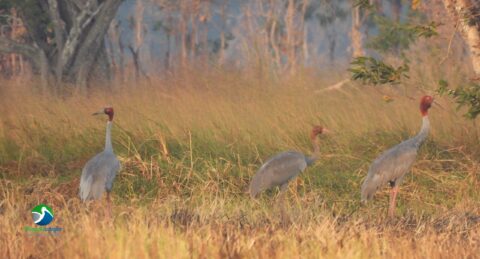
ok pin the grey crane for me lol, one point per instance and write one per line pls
(393, 164)
(283, 167)
(99, 172)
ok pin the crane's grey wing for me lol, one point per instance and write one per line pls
(87, 178)
(390, 166)
(113, 172)
(278, 170)
(85, 183)
(98, 175)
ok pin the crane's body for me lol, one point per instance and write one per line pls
(99, 172)
(396, 162)
(280, 169)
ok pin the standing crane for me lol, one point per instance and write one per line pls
(394, 163)
(283, 167)
(99, 172)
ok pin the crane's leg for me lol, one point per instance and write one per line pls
(283, 188)
(109, 205)
(281, 199)
(393, 198)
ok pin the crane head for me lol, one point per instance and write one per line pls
(108, 111)
(317, 130)
(425, 104)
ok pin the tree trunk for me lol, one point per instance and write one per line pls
(139, 35)
(332, 43)
(194, 11)
(139, 39)
(93, 42)
(465, 13)
(223, 16)
(183, 32)
(117, 50)
(396, 10)
(356, 34)
(303, 37)
(136, 62)
(290, 36)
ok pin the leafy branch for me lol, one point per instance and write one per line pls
(393, 35)
(468, 95)
(372, 71)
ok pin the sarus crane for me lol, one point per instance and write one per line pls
(99, 172)
(285, 166)
(395, 163)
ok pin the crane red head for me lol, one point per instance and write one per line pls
(317, 130)
(108, 111)
(425, 104)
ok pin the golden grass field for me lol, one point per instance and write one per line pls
(189, 146)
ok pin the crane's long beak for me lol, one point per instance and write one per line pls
(98, 113)
(326, 131)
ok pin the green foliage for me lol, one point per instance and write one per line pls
(364, 4)
(6, 4)
(391, 37)
(372, 71)
(32, 12)
(468, 95)
(398, 36)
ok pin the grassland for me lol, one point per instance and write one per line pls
(188, 147)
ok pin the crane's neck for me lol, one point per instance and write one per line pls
(422, 135)
(316, 151)
(108, 138)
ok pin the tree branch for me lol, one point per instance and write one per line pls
(78, 4)
(336, 86)
(36, 55)
(72, 9)
(58, 24)
(10, 46)
(73, 39)
(94, 37)
(35, 29)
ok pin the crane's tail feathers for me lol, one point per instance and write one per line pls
(90, 189)
(85, 187)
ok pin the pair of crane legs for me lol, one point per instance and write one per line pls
(108, 209)
(391, 208)
(393, 198)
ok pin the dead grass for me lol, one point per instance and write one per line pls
(189, 146)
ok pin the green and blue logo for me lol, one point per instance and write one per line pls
(42, 215)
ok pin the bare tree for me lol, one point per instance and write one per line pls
(75, 51)
(466, 14)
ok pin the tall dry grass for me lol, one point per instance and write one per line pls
(189, 145)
